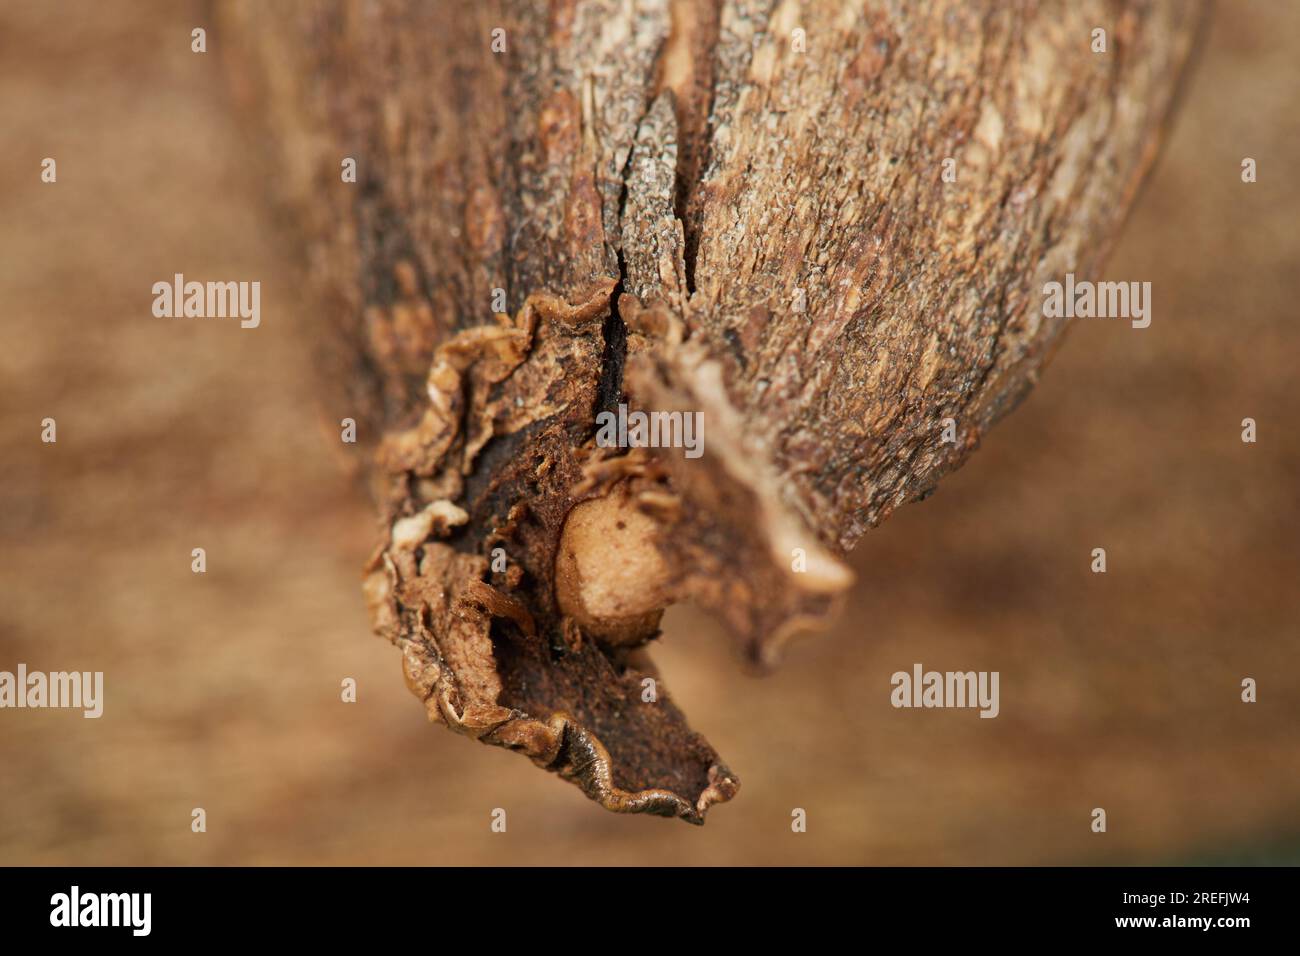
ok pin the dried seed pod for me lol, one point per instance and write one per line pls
(736, 208)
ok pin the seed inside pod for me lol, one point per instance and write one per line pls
(609, 576)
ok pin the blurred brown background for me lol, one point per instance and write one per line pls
(222, 690)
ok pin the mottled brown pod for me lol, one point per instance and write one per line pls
(734, 209)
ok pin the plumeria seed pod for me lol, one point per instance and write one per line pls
(818, 264)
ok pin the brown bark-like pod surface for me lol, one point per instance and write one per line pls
(736, 209)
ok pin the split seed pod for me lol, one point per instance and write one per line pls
(825, 226)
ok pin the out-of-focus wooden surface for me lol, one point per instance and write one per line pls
(222, 690)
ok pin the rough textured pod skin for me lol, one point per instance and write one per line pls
(736, 207)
